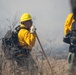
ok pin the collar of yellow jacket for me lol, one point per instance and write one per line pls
(70, 18)
(71, 15)
(22, 25)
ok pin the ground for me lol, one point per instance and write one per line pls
(10, 67)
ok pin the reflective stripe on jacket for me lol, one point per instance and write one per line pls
(26, 38)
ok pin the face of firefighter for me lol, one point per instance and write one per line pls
(73, 5)
(28, 24)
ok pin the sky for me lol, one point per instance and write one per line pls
(48, 15)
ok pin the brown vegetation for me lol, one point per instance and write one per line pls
(10, 67)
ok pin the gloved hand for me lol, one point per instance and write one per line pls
(32, 29)
(68, 34)
(66, 38)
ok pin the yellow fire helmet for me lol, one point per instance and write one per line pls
(25, 17)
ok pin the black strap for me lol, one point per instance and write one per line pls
(18, 28)
(24, 28)
(74, 26)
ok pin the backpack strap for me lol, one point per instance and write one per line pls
(74, 26)
(71, 19)
(24, 28)
(18, 28)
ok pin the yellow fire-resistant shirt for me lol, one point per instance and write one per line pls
(68, 23)
(26, 39)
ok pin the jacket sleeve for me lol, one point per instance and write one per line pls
(30, 39)
(67, 24)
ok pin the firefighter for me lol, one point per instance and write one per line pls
(26, 36)
(70, 38)
(27, 39)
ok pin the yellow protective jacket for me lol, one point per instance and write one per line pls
(68, 23)
(26, 39)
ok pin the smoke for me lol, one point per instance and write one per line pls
(49, 15)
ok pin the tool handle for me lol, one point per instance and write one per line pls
(44, 54)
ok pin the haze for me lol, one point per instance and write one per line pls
(49, 15)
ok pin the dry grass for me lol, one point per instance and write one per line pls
(10, 67)
(59, 67)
